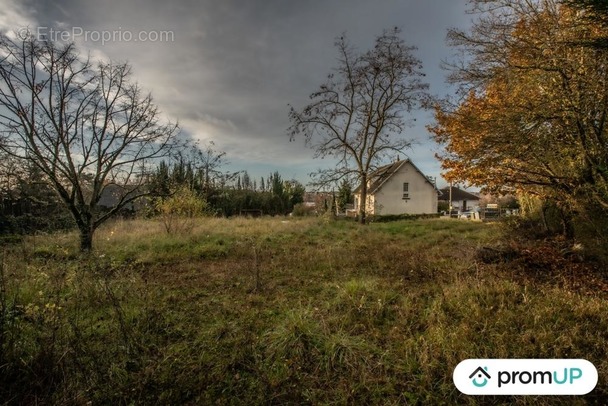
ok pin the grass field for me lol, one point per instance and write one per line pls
(287, 311)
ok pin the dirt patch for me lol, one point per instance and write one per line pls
(552, 262)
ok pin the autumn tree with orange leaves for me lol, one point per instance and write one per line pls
(533, 104)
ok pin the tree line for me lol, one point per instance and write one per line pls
(28, 203)
(227, 194)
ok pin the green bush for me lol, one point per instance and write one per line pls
(180, 209)
(301, 210)
(29, 223)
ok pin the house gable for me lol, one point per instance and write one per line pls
(387, 194)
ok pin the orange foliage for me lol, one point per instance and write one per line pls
(534, 124)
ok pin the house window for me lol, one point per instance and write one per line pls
(406, 191)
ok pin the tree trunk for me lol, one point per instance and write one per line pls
(86, 238)
(363, 202)
(567, 223)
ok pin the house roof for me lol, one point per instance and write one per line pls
(112, 193)
(382, 174)
(480, 370)
(457, 194)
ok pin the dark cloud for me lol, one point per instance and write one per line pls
(233, 66)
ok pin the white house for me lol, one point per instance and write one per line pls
(461, 199)
(399, 188)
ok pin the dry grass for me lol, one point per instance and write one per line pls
(280, 311)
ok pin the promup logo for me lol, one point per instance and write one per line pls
(525, 377)
(481, 373)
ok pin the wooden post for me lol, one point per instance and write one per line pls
(450, 202)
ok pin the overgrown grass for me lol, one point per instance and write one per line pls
(279, 311)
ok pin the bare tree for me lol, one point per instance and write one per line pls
(207, 162)
(357, 116)
(86, 126)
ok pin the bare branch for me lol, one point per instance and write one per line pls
(84, 126)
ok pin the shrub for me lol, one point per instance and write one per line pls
(180, 209)
(301, 210)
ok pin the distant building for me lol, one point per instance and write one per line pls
(112, 195)
(461, 199)
(318, 200)
(398, 188)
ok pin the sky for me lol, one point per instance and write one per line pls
(227, 70)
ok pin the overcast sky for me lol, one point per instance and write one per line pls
(226, 70)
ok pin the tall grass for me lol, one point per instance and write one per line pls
(279, 311)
